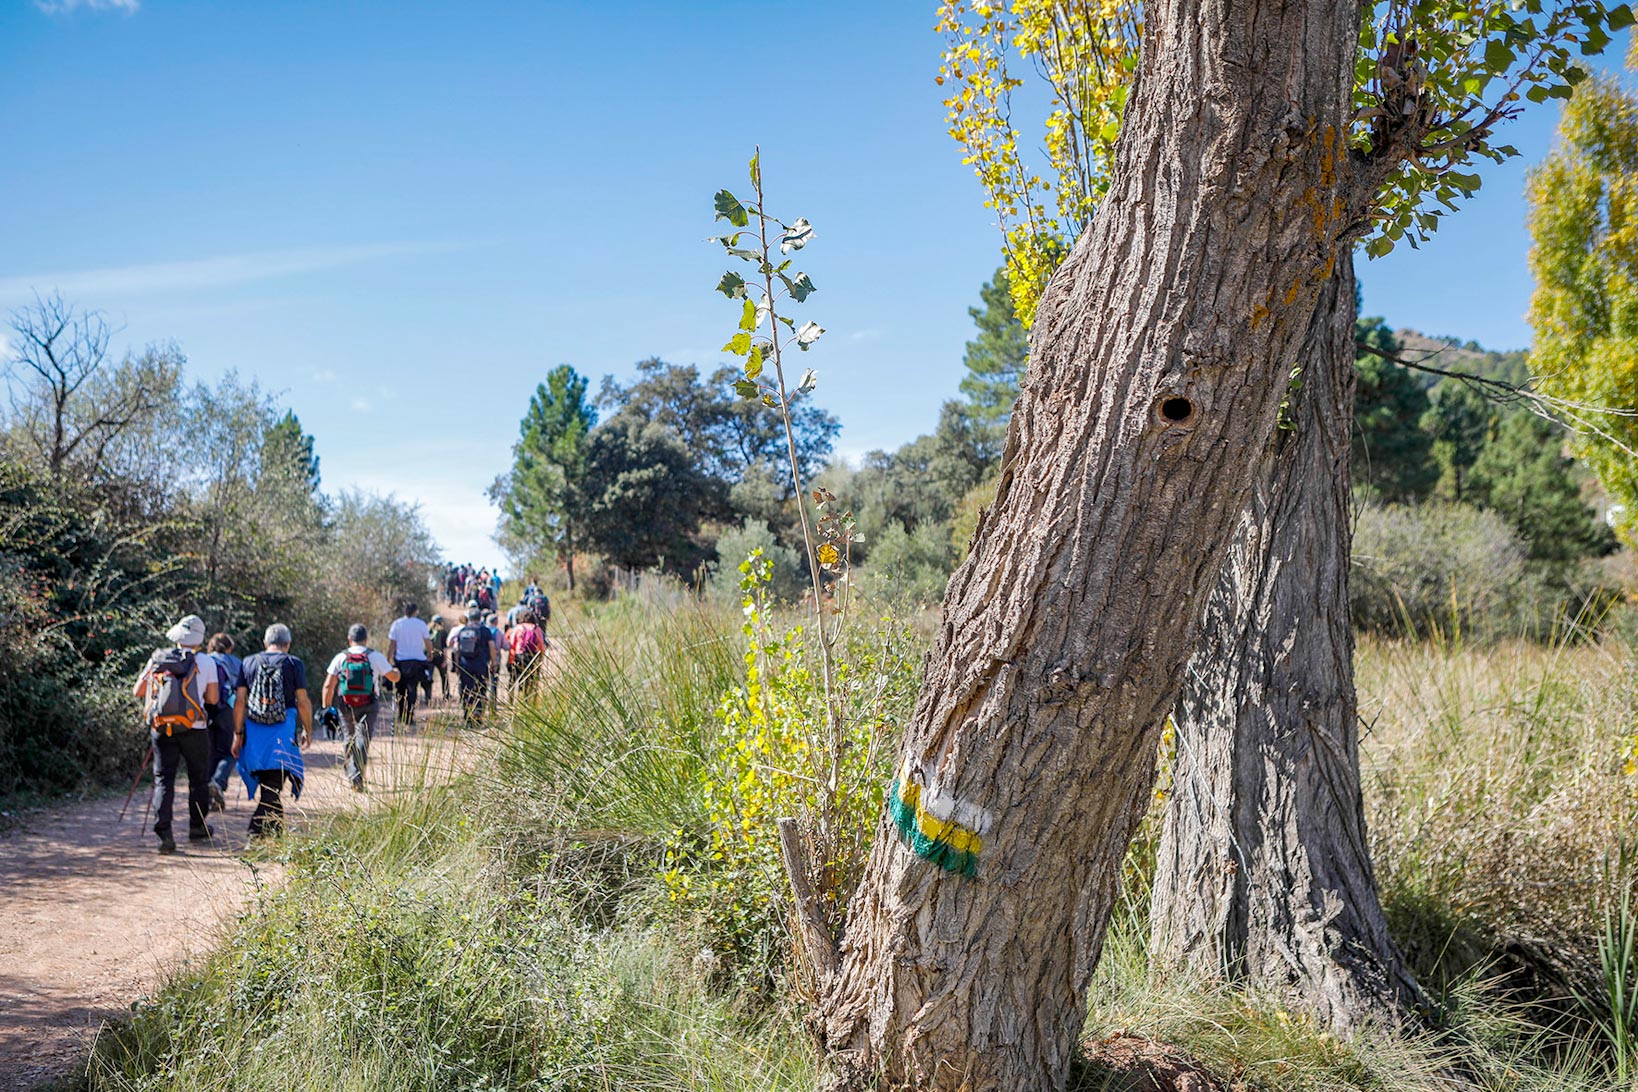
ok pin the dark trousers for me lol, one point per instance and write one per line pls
(474, 689)
(435, 667)
(221, 743)
(268, 818)
(409, 677)
(357, 729)
(191, 747)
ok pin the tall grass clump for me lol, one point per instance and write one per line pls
(1500, 786)
(406, 949)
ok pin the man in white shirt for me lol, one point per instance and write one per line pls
(176, 686)
(408, 647)
(355, 675)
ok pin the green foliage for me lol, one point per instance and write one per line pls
(1585, 309)
(287, 450)
(995, 361)
(964, 521)
(542, 498)
(1445, 568)
(922, 482)
(734, 441)
(788, 575)
(644, 497)
(1523, 477)
(910, 567)
(1392, 454)
(775, 732)
(79, 599)
(1432, 83)
(165, 500)
(1459, 421)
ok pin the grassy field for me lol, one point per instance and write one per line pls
(598, 906)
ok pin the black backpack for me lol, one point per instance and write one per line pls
(264, 701)
(472, 644)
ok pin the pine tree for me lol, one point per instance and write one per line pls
(1525, 477)
(540, 499)
(286, 448)
(1392, 457)
(996, 358)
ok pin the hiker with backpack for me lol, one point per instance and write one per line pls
(408, 647)
(438, 639)
(526, 645)
(352, 677)
(220, 718)
(477, 655)
(491, 622)
(272, 721)
(177, 685)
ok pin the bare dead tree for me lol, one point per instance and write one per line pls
(70, 402)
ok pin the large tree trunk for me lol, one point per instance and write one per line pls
(1264, 875)
(1161, 353)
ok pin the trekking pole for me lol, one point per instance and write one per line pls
(142, 769)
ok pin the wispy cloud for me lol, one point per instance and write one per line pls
(362, 405)
(65, 7)
(864, 335)
(324, 375)
(186, 276)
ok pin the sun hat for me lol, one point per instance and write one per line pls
(188, 633)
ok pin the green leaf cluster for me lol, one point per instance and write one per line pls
(1584, 230)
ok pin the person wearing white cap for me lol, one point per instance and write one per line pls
(176, 686)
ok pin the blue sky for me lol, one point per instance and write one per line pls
(402, 215)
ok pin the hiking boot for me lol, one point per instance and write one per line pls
(167, 844)
(218, 802)
(203, 834)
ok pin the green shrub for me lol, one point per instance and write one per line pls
(909, 568)
(774, 732)
(789, 581)
(1444, 568)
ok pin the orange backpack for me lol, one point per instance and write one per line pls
(172, 707)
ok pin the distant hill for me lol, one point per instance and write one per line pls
(1453, 354)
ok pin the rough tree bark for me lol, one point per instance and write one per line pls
(1264, 874)
(1161, 353)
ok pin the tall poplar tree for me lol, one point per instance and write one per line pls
(1583, 205)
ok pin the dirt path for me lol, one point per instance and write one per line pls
(92, 918)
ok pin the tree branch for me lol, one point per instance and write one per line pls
(1571, 415)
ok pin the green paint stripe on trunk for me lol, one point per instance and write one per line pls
(933, 850)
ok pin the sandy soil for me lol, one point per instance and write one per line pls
(92, 918)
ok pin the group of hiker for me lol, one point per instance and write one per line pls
(210, 712)
(471, 584)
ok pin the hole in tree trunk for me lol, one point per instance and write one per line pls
(1175, 411)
